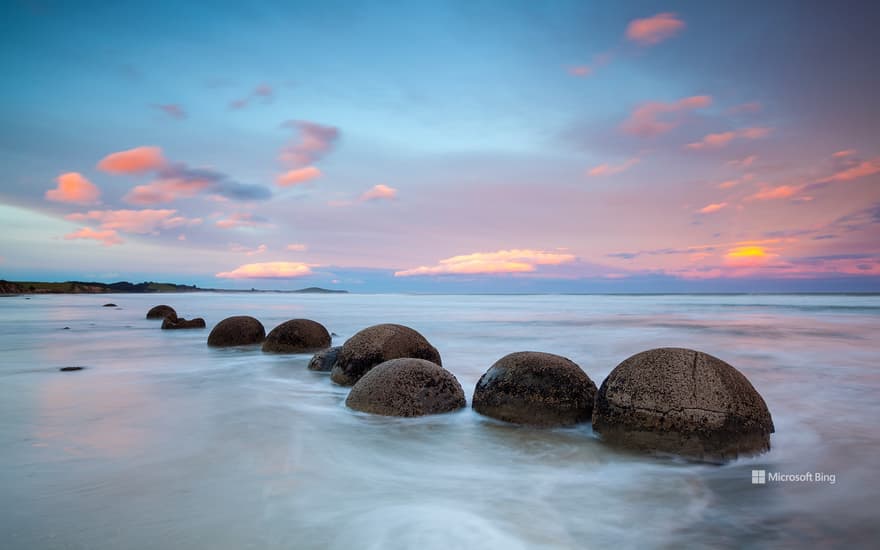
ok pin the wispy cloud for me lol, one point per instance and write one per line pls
(860, 170)
(263, 93)
(379, 192)
(774, 193)
(313, 141)
(269, 270)
(710, 208)
(610, 170)
(296, 247)
(176, 181)
(657, 117)
(173, 110)
(298, 176)
(146, 221)
(73, 187)
(719, 140)
(502, 261)
(743, 162)
(241, 220)
(108, 237)
(650, 31)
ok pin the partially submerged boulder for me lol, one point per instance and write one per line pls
(240, 330)
(535, 389)
(377, 344)
(181, 323)
(297, 336)
(406, 387)
(161, 312)
(325, 359)
(683, 402)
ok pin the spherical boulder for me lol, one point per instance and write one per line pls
(535, 389)
(240, 330)
(297, 336)
(161, 312)
(180, 323)
(406, 387)
(683, 402)
(325, 359)
(378, 344)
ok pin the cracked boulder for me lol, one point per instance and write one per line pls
(377, 344)
(406, 387)
(682, 402)
(535, 389)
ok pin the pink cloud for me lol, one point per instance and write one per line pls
(717, 141)
(653, 30)
(166, 190)
(710, 208)
(134, 221)
(502, 261)
(379, 192)
(297, 247)
(239, 220)
(269, 270)
(866, 168)
(73, 187)
(133, 161)
(108, 237)
(743, 163)
(314, 142)
(645, 120)
(773, 193)
(844, 153)
(248, 251)
(610, 170)
(172, 110)
(580, 70)
(297, 176)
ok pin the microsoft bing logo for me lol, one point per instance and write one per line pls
(759, 477)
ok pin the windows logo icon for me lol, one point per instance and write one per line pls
(759, 477)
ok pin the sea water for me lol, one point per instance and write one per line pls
(162, 442)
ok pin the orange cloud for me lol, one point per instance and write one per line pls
(717, 141)
(710, 208)
(297, 176)
(108, 237)
(772, 193)
(866, 168)
(269, 270)
(135, 221)
(296, 247)
(74, 187)
(748, 256)
(133, 161)
(378, 192)
(502, 261)
(610, 170)
(653, 30)
(239, 220)
(645, 119)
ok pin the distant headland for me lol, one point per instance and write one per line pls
(147, 287)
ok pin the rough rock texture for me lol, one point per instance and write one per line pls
(324, 359)
(297, 336)
(406, 387)
(161, 312)
(378, 344)
(181, 323)
(537, 389)
(240, 330)
(684, 402)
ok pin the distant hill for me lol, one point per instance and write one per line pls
(79, 287)
(318, 290)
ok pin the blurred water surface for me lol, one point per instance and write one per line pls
(164, 443)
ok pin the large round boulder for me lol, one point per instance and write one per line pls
(683, 402)
(325, 359)
(536, 389)
(378, 344)
(297, 336)
(240, 330)
(180, 323)
(161, 312)
(406, 387)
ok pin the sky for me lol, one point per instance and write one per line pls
(455, 146)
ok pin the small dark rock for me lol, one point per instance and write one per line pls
(536, 389)
(240, 330)
(180, 323)
(406, 387)
(66, 328)
(161, 312)
(70, 369)
(109, 305)
(325, 359)
(377, 344)
(682, 402)
(297, 336)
